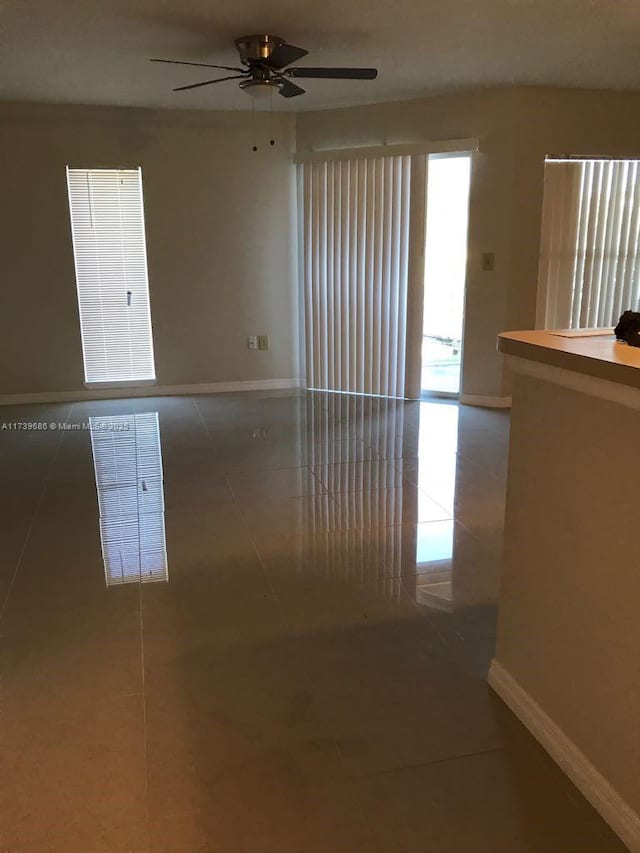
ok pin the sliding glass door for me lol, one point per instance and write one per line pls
(448, 183)
(371, 327)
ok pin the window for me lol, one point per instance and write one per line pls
(107, 224)
(128, 465)
(589, 267)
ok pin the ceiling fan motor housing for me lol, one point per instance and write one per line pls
(257, 48)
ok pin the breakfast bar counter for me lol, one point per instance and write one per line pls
(568, 648)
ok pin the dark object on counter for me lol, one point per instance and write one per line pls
(628, 328)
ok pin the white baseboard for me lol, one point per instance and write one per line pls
(624, 821)
(126, 392)
(486, 402)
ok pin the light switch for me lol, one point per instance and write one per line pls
(263, 342)
(488, 261)
(252, 342)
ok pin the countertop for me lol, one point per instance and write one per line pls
(600, 356)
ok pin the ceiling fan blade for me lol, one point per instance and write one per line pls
(334, 73)
(283, 55)
(290, 90)
(199, 64)
(209, 82)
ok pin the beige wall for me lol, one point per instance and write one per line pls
(221, 222)
(568, 629)
(516, 128)
(220, 235)
(557, 121)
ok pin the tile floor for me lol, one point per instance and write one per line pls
(272, 636)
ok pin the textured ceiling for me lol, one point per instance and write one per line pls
(95, 51)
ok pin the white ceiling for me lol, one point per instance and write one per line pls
(96, 51)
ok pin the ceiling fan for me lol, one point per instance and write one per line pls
(265, 59)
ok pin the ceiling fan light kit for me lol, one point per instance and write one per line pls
(261, 90)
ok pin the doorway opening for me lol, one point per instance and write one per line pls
(448, 183)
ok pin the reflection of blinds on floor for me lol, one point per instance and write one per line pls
(351, 443)
(355, 271)
(128, 467)
(589, 271)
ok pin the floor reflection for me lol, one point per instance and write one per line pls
(127, 458)
(390, 470)
(437, 445)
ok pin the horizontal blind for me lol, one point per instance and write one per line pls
(107, 223)
(128, 466)
(355, 273)
(589, 270)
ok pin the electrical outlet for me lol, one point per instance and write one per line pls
(252, 342)
(263, 342)
(260, 432)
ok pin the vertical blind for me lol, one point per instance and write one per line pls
(128, 467)
(107, 224)
(589, 270)
(355, 272)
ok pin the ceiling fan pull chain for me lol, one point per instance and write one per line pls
(271, 140)
(253, 126)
